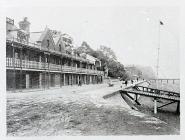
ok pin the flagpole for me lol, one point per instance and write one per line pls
(158, 49)
(157, 67)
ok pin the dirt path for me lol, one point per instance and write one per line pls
(77, 111)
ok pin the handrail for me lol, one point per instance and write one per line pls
(28, 64)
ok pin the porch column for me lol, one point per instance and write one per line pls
(40, 80)
(60, 80)
(27, 81)
(71, 79)
(155, 106)
(64, 79)
(90, 79)
(49, 80)
(85, 79)
(78, 78)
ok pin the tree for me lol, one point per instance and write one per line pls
(84, 48)
(108, 52)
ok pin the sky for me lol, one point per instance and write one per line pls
(131, 32)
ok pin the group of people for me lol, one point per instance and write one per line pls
(132, 81)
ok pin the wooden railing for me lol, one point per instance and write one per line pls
(16, 63)
(55, 67)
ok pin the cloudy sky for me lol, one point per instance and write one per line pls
(131, 32)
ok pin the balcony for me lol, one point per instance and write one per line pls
(54, 67)
(26, 64)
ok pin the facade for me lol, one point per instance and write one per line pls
(45, 59)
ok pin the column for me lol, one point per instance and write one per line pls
(78, 78)
(155, 106)
(85, 79)
(49, 80)
(71, 79)
(40, 80)
(64, 79)
(27, 81)
(90, 81)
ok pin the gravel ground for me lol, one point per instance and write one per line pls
(77, 111)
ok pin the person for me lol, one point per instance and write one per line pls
(137, 79)
(132, 81)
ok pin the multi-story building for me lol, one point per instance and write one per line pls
(45, 59)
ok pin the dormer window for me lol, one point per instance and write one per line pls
(47, 43)
(60, 48)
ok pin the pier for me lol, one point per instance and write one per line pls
(155, 94)
(165, 80)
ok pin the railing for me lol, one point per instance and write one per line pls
(41, 66)
(55, 67)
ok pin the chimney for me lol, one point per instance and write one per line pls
(25, 25)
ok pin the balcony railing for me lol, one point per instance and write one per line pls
(55, 67)
(16, 63)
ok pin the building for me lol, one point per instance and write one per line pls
(45, 59)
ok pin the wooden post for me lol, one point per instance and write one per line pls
(27, 81)
(167, 80)
(71, 79)
(64, 79)
(40, 80)
(173, 81)
(155, 106)
(78, 78)
(60, 79)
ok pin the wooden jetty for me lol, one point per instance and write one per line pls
(154, 93)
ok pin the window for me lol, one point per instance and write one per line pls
(60, 49)
(47, 43)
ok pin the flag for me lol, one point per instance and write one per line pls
(161, 23)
